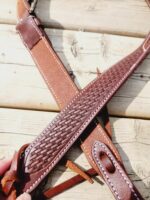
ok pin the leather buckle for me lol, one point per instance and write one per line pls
(30, 30)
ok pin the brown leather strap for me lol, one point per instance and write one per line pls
(58, 137)
(113, 174)
(11, 177)
(67, 184)
(53, 71)
(71, 165)
(33, 44)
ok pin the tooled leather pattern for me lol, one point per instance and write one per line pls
(56, 139)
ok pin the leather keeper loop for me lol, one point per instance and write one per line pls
(30, 31)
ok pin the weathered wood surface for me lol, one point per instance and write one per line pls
(131, 136)
(130, 17)
(22, 87)
(82, 53)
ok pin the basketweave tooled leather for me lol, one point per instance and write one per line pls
(51, 76)
(48, 148)
(97, 134)
(53, 72)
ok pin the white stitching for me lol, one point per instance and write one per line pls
(116, 164)
(88, 153)
(108, 140)
(46, 80)
(57, 157)
(59, 64)
(104, 172)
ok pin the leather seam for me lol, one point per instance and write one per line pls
(130, 186)
(35, 26)
(112, 148)
(57, 157)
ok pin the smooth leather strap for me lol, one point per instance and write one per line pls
(49, 147)
(31, 47)
(112, 172)
(67, 184)
(53, 71)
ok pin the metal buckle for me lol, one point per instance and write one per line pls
(33, 6)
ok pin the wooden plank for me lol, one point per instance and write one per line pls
(131, 136)
(21, 85)
(120, 17)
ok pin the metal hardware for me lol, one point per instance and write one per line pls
(33, 6)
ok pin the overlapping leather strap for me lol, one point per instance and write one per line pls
(51, 67)
(11, 177)
(75, 117)
(33, 44)
(53, 71)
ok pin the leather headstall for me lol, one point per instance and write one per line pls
(83, 115)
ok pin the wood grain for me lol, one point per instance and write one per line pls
(21, 85)
(26, 104)
(128, 17)
(131, 136)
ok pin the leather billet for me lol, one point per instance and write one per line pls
(76, 116)
(53, 72)
(31, 46)
(58, 137)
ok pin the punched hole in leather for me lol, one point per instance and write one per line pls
(113, 174)
(107, 163)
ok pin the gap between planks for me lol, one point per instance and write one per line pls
(22, 86)
(128, 17)
(131, 136)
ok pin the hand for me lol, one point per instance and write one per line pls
(4, 166)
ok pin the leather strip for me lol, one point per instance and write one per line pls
(67, 184)
(11, 177)
(91, 134)
(76, 169)
(51, 74)
(112, 172)
(44, 56)
(59, 135)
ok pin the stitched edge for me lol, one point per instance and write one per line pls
(60, 67)
(88, 153)
(58, 156)
(118, 167)
(108, 140)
